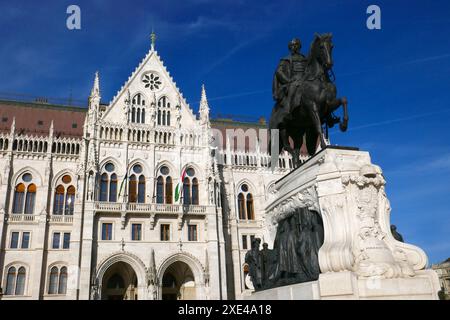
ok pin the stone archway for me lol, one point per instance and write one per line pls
(119, 283)
(181, 277)
(178, 282)
(127, 269)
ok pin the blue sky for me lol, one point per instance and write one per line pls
(396, 79)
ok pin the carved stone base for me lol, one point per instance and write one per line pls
(349, 192)
(346, 285)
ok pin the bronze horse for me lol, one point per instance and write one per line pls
(317, 96)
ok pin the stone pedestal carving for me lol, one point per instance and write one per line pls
(359, 259)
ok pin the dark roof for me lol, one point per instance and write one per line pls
(35, 118)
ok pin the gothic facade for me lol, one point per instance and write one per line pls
(140, 198)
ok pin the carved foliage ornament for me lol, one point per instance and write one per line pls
(373, 257)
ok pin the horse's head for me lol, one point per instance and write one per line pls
(321, 49)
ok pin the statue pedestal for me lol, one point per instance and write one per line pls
(359, 258)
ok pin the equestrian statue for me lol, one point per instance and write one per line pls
(305, 98)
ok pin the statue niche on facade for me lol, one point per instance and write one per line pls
(305, 97)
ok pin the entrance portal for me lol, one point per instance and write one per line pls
(119, 283)
(178, 282)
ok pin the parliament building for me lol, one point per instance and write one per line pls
(141, 198)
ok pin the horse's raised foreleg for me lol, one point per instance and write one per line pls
(335, 104)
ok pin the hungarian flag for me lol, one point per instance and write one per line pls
(179, 187)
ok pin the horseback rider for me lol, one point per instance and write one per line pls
(288, 77)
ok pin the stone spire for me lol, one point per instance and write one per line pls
(153, 39)
(94, 103)
(13, 126)
(96, 87)
(204, 107)
(51, 130)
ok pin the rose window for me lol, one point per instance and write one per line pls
(152, 81)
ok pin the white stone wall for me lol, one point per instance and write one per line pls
(216, 258)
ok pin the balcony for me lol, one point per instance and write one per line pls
(61, 219)
(148, 208)
(22, 218)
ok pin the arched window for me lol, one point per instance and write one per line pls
(136, 185)
(186, 191)
(64, 196)
(108, 183)
(57, 280)
(138, 109)
(104, 187)
(62, 288)
(19, 195)
(195, 191)
(169, 190)
(113, 188)
(53, 284)
(10, 281)
(241, 206)
(164, 186)
(164, 111)
(58, 202)
(70, 200)
(24, 195)
(30, 199)
(190, 188)
(141, 189)
(245, 203)
(160, 190)
(250, 213)
(15, 281)
(132, 188)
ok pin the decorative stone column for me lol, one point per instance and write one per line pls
(359, 257)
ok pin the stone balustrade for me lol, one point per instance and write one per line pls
(100, 206)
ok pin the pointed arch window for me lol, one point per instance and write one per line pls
(19, 196)
(53, 285)
(10, 281)
(132, 188)
(15, 281)
(64, 196)
(190, 188)
(24, 195)
(241, 206)
(108, 183)
(160, 190)
(141, 189)
(20, 282)
(113, 188)
(58, 202)
(62, 287)
(138, 109)
(164, 186)
(164, 111)
(136, 185)
(57, 283)
(169, 189)
(104, 187)
(195, 191)
(186, 191)
(70, 200)
(245, 203)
